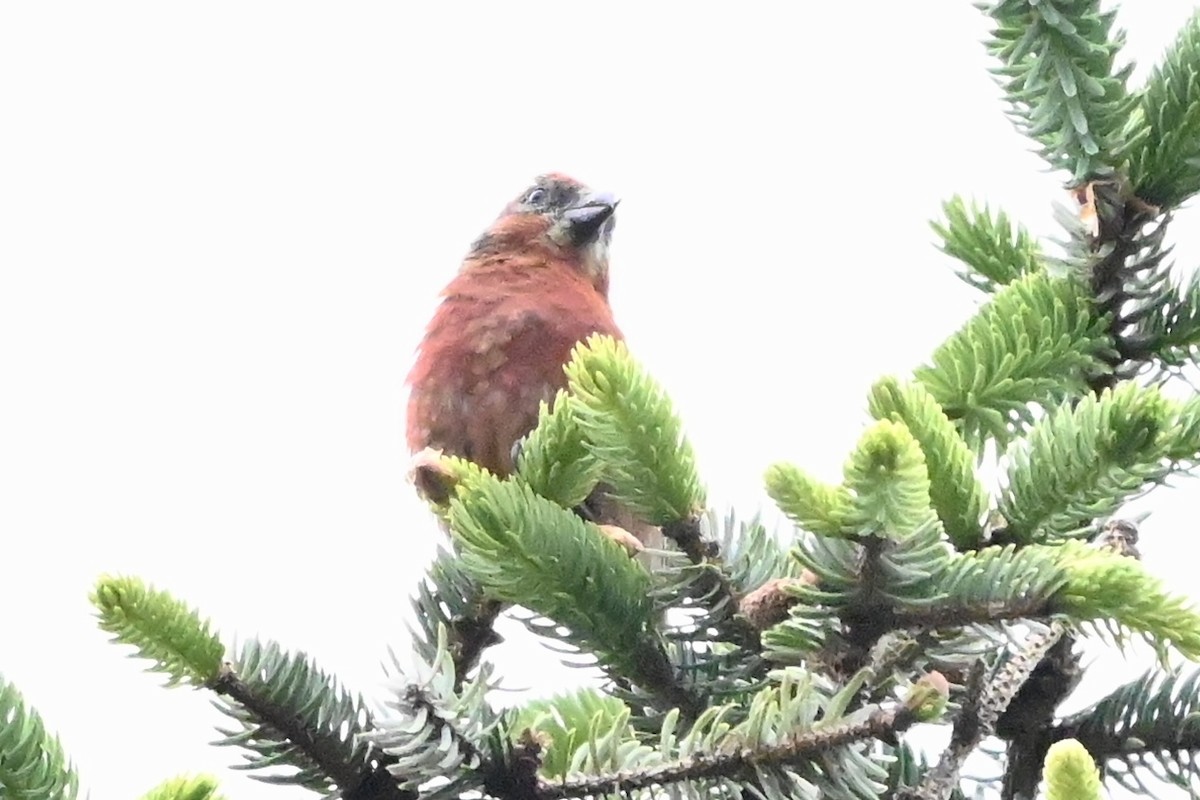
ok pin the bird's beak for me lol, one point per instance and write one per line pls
(586, 218)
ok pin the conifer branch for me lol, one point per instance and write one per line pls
(1104, 585)
(186, 787)
(888, 481)
(728, 602)
(815, 506)
(292, 713)
(687, 535)
(1170, 331)
(986, 699)
(554, 459)
(449, 598)
(629, 426)
(954, 490)
(872, 598)
(473, 633)
(433, 728)
(1039, 340)
(1145, 725)
(1118, 248)
(561, 724)
(1164, 159)
(994, 251)
(436, 727)
(741, 764)
(940, 781)
(179, 643)
(1085, 458)
(711, 583)
(1070, 773)
(943, 615)
(32, 761)
(863, 583)
(1026, 725)
(527, 550)
(1058, 70)
(326, 750)
(632, 430)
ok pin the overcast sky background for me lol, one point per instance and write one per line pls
(223, 227)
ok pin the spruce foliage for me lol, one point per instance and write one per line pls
(792, 663)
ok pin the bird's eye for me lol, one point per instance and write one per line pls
(535, 197)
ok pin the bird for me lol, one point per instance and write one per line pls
(531, 287)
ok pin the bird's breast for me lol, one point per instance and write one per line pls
(493, 352)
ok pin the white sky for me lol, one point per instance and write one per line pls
(223, 227)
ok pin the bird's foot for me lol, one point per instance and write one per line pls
(434, 481)
(622, 537)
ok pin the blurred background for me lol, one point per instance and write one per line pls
(223, 228)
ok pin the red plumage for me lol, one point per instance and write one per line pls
(533, 285)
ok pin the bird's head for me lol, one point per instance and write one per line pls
(562, 214)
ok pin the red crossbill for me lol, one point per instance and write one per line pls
(531, 287)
